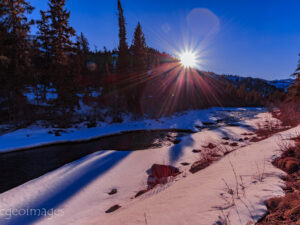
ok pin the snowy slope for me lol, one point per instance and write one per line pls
(86, 182)
(283, 84)
(203, 198)
(79, 190)
(258, 84)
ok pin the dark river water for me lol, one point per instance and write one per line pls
(21, 166)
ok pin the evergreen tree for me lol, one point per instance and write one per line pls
(43, 62)
(4, 39)
(83, 44)
(44, 33)
(139, 63)
(15, 25)
(55, 35)
(60, 31)
(14, 52)
(123, 57)
(139, 49)
(80, 59)
(294, 90)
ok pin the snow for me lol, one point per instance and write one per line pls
(79, 190)
(33, 99)
(283, 84)
(37, 135)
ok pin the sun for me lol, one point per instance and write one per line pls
(188, 59)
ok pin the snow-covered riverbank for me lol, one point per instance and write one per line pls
(79, 191)
(193, 120)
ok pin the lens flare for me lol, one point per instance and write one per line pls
(91, 66)
(188, 59)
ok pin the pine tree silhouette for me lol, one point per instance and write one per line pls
(14, 52)
(60, 31)
(44, 65)
(294, 90)
(139, 49)
(123, 57)
(55, 39)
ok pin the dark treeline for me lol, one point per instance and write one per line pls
(57, 66)
(54, 75)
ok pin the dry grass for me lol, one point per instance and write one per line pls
(288, 113)
(286, 210)
(268, 128)
(209, 153)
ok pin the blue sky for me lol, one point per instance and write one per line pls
(258, 38)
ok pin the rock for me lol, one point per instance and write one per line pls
(141, 192)
(215, 155)
(160, 171)
(196, 150)
(241, 139)
(234, 144)
(255, 139)
(159, 174)
(185, 164)
(208, 123)
(113, 191)
(227, 152)
(57, 133)
(176, 141)
(246, 138)
(210, 146)
(225, 143)
(226, 138)
(199, 165)
(112, 209)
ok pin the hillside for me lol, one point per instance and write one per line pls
(261, 85)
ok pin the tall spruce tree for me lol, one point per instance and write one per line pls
(81, 57)
(123, 57)
(60, 31)
(139, 49)
(44, 32)
(44, 64)
(55, 40)
(139, 63)
(15, 47)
